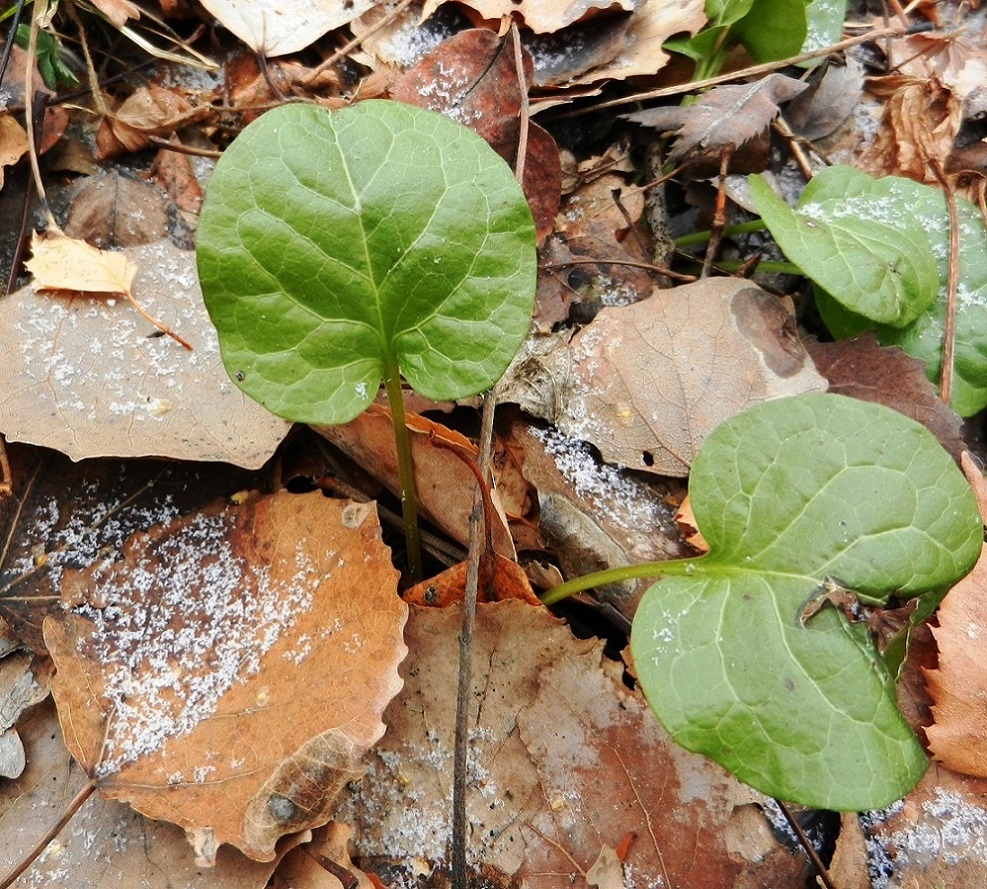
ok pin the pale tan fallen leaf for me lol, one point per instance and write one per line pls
(119, 12)
(228, 670)
(13, 143)
(106, 843)
(564, 759)
(958, 736)
(92, 379)
(61, 263)
(540, 16)
(319, 863)
(646, 383)
(287, 26)
(607, 871)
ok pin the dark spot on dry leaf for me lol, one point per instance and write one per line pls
(281, 808)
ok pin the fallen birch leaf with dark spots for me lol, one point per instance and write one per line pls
(228, 670)
(726, 116)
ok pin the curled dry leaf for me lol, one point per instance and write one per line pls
(91, 379)
(648, 382)
(229, 670)
(149, 111)
(444, 483)
(958, 737)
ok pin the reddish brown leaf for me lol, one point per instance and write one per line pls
(861, 368)
(499, 579)
(228, 671)
(566, 760)
(472, 77)
(149, 111)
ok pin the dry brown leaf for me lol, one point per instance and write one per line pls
(936, 837)
(861, 368)
(320, 863)
(105, 843)
(444, 484)
(922, 118)
(828, 102)
(499, 579)
(958, 737)
(647, 383)
(149, 111)
(13, 143)
(564, 760)
(67, 515)
(540, 16)
(113, 210)
(94, 380)
(725, 117)
(285, 27)
(229, 670)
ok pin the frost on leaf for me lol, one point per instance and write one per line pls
(92, 378)
(651, 380)
(227, 672)
(564, 759)
(957, 737)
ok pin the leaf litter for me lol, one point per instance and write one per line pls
(221, 675)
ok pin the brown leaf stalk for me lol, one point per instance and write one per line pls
(952, 282)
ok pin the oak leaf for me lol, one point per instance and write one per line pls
(13, 143)
(229, 669)
(958, 737)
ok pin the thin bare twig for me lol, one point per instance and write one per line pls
(743, 73)
(952, 282)
(806, 845)
(347, 48)
(523, 113)
(53, 831)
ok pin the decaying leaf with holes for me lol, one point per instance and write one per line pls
(228, 671)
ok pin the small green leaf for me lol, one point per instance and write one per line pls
(334, 246)
(842, 236)
(907, 200)
(788, 494)
(772, 29)
(825, 20)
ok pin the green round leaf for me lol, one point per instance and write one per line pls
(842, 236)
(789, 494)
(333, 247)
(906, 200)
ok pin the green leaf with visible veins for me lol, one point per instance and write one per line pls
(842, 236)
(788, 494)
(335, 245)
(904, 201)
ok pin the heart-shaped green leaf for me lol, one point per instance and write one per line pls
(334, 248)
(789, 494)
(842, 236)
(907, 200)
